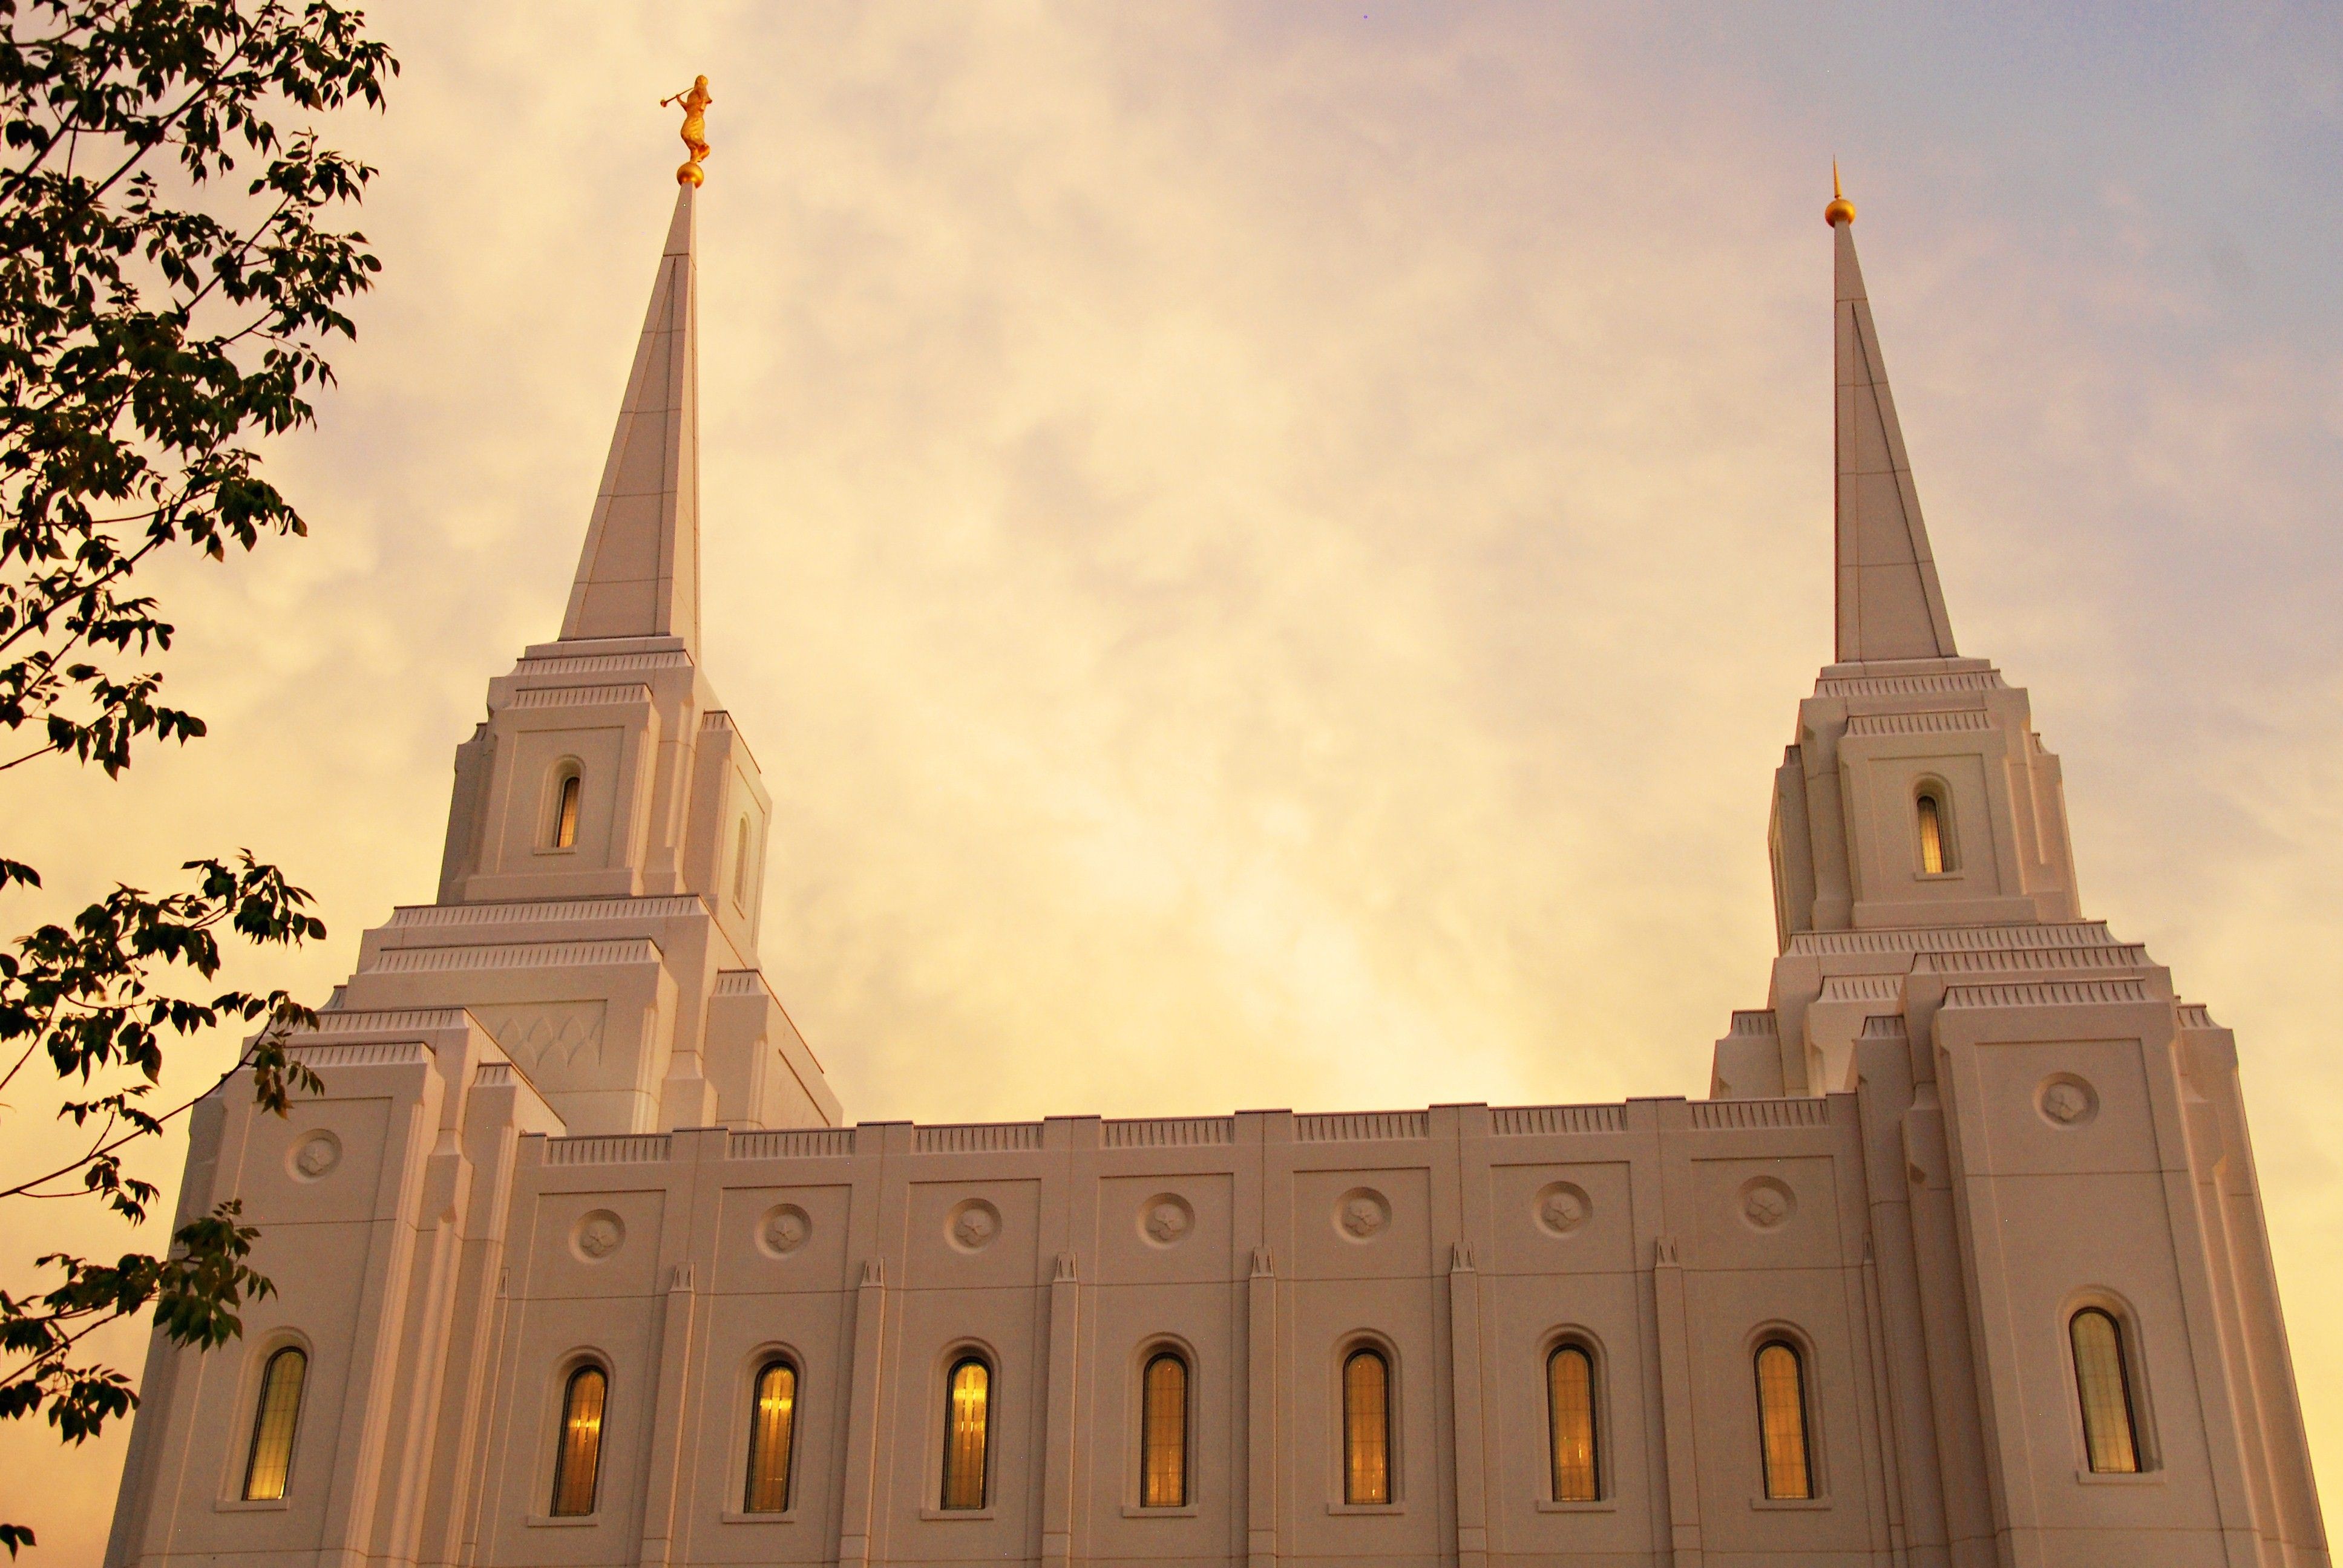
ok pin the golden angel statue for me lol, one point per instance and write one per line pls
(695, 103)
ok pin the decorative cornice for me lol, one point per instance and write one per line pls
(1951, 938)
(617, 1149)
(792, 1143)
(1168, 1133)
(1862, 988)
(545, 911)
(1536, 1120)
(1754, 1115)
(2047, 993)
(580, 696)
(603, 663)
(978, 1137)
(515, 956)
(433, 1018)
(2124, 955)
(1908, 685)
(1929, 721)
(1361, 1126)
(741, 982)
(385, 1053)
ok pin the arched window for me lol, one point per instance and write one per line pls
(741, 865)
(1936, 843)
(1163, 1432)
(1782, 1421)
(274, 1417)
(565, 809)
(772, 1433)
(2110, 1430)
(967, 1427)
(1366, 1427)
(1570, 1416)
(577, 1464)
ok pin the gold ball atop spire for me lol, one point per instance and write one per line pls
(1840, 210)
(694, 101)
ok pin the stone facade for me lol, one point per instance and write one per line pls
(566, 1125)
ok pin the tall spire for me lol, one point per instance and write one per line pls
(1890, 605)
(638, 575)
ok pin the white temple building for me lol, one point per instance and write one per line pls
(1961, 1263)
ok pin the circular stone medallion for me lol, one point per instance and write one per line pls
(1362, 1214)
(1560, 1208)
(1766, 1204)
(783, 1230)
(1166, 1219)
(972, 1224)
(2067, 1100)
(313, 1156)
(597, 1235)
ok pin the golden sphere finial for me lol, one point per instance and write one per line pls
(694, 101)
(1840, 210)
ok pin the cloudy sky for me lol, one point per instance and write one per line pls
(1268, 553)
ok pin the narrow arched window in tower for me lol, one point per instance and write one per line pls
(275, 1415)
(1782, 1421)
(1935, 857)
(967, 1427)
(741, 865)
(772, 1433)
(577, 1465)
(1570, 1414)
(565, 811)
(2111, 1430)
(1366, 1427)
(1163, 1432)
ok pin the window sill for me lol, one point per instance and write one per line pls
(943, 1514)
(1599, 1505)
(1132, 1511)
(2119, 1477)
(251, 1505)
(549, 849)
(787, 1516)
(1366, 1508)
(1940, 876)
(1790, 1504)
(561, 1520)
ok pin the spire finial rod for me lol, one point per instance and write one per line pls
(694, 101)
(1840, 210)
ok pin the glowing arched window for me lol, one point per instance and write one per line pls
(741, 865)
(772, 1432)
(274, 1417)
(967, 1427)
(1935, 845)
(2110, 1431)
(1782, 1421)
(577, 1464)
(1366, 1427)
(1163, 1432)
(565, 810)
(1570, 1414)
